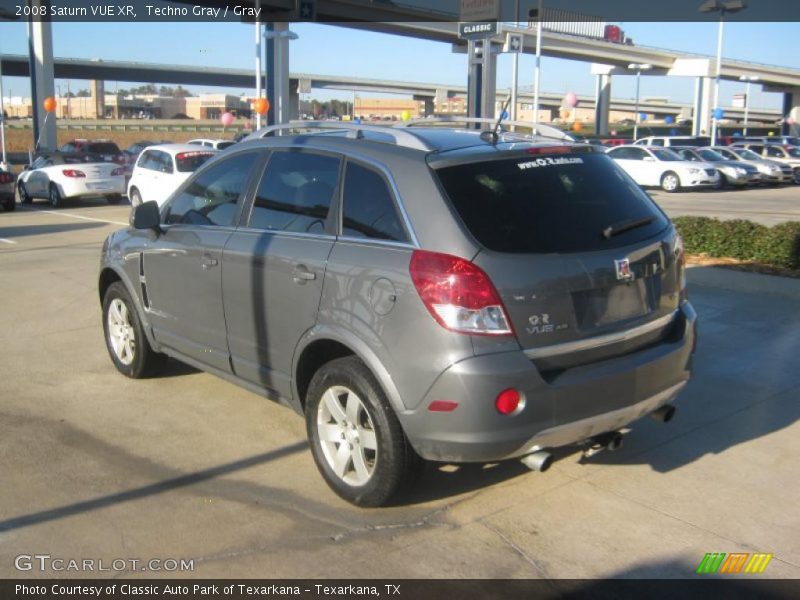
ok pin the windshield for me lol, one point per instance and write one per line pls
(104, 148)
(747, 154)
(711, 155)
(793, 152)
(667, 155)
(546, 204)
(190, 161)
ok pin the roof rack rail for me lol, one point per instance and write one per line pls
(354, 130)
(537, 130)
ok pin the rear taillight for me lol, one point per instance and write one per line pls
(458, 294)
(680, 258)
(6, 177)
(119, 171)
(73, 173)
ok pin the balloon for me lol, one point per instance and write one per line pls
(790, 121)
(226, 118)
(504, 115)
(613, 132)
(565, 114)
(405, 115)
(357, 121)
(669, 119)
(642, 116)
(771, 133)
(673, 131)
(261, 106)
(49, 104)
(737, 134)
(718, 113)
(577, 126)
(571, 100)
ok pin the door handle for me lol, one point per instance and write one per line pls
(209, 262)
(301, 274)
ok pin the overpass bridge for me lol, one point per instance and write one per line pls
(130, 71)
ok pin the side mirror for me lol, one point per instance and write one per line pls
(147, 216)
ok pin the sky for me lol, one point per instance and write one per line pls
(333, 50)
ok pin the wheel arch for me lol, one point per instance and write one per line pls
(109, 275)
(322, 344)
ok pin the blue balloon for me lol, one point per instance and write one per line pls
(357, 121)
(643, 116)
(504, 115)
(669, 119)
(673, 131)
(737, 134)
(718, 113)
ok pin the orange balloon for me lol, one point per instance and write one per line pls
(49, 104)
(261, 105)
(565, 114)
(577, 126)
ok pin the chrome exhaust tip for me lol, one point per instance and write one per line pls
(663, 414)
(538, 461)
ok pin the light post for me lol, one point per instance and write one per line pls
(538, 16)
(3, 161)
(515, 69)
(749, 80)
(638, 67)
(722, 7)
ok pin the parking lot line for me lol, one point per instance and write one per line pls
(63, 214)
(5, 241)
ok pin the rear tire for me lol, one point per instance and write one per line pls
(670, 182)
(355, 437)
(10, 204)
(24, 198)
(55, 196)
(126, 341)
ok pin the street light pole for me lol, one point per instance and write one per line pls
(538, 69)
(3, 162)
(720, 6)
(638, 68)
(747, 100)
(258, 60)
(515, 69)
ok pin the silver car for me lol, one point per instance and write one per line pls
(431, 293)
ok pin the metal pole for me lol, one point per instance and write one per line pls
(538, 69)
(515, 69)
(636, 115)
(258, 59)
(716, 80)
(4, 162)
(746, 106)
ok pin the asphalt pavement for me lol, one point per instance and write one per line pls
(187, 466)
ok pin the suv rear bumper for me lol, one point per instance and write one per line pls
(581, 403)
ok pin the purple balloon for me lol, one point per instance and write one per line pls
(571, 100)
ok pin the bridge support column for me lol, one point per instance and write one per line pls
(294, 100)
(429, 106)
(602, 103)
(791, 109)
(481, 79)
(40, 56)
(701, 115)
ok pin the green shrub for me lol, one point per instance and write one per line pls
(777, 246)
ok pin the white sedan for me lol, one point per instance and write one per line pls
(654, 166)
(58, 177)
(216, 144)
(161, 169)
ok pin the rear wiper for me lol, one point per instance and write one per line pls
(624, 226)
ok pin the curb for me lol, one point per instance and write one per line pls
(728, 279)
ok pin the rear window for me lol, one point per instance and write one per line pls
(696, 141)
(191, 161)
(547, 204)
(223, 145)
(103, 148)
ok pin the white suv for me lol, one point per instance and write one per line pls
(161, 169)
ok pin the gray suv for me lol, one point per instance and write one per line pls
(421, 293)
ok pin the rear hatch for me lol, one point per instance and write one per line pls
(576, 250)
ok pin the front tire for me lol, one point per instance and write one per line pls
(135, 198)
(670, 182)
(55, 196)
(125, 338)
(355, 437)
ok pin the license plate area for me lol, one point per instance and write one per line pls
(618, 302)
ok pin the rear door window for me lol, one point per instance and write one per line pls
(550, 204)
(295, 192)
(369, 209)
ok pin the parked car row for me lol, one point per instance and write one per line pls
(679, 167)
